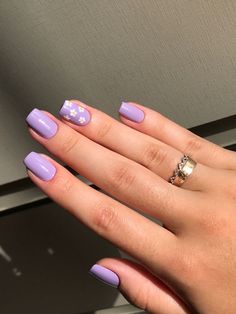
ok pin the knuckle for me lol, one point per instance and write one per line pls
(185, 266)
(207, 222)
(63, 185)
(69, 144)
(194, 144)
(103, 130)
(121, 176)
(214, 223)
(153, 155)
(105, 218)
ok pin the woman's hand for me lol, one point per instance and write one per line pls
(188, 266)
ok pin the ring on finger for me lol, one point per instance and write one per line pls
(183, 170)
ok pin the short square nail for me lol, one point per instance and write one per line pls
(131, 112)
(75, 113)
(105, 275)
(41, 123)
(40, 166)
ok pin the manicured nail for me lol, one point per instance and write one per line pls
(131, 112)
(75, 113)
(105, 275)
(41, 123)
(40, 166)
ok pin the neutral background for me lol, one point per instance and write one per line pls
(178, 57)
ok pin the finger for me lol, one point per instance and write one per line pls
(120, 177)
(112, 220)
(138, 286)
(155, 155)
(169, 132)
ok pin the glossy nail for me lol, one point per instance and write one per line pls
(40, 166)
(41, 123)
(75, 113)
(131, 112)
(105, 275)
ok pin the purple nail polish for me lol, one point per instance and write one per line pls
(40, 166)
(131, 112)
(105, 275)
(75, 113)
(41, 123)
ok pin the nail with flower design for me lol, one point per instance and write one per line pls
(74, 113)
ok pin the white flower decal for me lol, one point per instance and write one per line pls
(68, 104)
(81, 109)
(73, 112)
(66, 117)
(82, 120)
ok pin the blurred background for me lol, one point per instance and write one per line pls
(177, 57)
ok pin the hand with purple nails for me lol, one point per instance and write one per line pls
(146, 162)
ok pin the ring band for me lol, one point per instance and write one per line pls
(183, 170)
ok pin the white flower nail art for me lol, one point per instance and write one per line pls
(73, 112)
(67, 117)
(68, 104)
(82, 120)
(81, 109)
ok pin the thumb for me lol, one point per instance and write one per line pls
(138, 286)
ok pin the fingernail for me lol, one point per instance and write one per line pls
(40, 166)
(105, 275)
(41, 123)
(131, 112)
(75, 113)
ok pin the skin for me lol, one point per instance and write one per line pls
(187, 266)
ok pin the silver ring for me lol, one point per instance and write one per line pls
(183, 170)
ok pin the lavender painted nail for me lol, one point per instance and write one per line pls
(105, 275)
(41, 123)
(131, 112)
(75, 113)
(40, 166)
